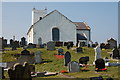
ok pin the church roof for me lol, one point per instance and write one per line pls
(81, 26)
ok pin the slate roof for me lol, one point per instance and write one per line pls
(81, 26)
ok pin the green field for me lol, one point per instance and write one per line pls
(57, 65)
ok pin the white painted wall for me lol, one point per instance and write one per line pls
(44, 27)
(30, 36)
(87, 33)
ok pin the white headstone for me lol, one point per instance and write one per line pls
(97, 52)
(38, 57)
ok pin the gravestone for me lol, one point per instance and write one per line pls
(74, 66)
(112, 42)
(51, 45)
(68, 46)
(100, 64)
(79, 50)
(23, 41)
(58, 44)
(107, 46)
(42, 45)
(60, 51)
(30, 45)
(97, 52)
(1, 45)
(115, 54)
(67, 58)
(38, 57)
(2, 73)
(102, 45)
(25, 52)
(84, 60)
(20, 72)
(119, 45)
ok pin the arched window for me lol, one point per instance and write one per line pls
(55, 34)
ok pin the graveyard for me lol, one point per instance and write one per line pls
(54, 64)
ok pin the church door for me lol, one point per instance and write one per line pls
(55, 34)
(39, 41)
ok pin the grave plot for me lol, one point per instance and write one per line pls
(51, 65)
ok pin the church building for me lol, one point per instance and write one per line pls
(54, 26)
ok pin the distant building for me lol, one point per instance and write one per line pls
(56, 27)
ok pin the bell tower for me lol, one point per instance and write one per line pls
(38, 14)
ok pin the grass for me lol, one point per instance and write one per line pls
(57, 65)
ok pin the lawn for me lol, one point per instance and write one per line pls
(57, 65)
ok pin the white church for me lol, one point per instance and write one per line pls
(54, 26)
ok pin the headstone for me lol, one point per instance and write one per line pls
(68, 46)
(42, 45)
(1, 44)
(74, 66)
(25, 52)
(2, 73)
(115, 54)
(38, 57)
(79, 50)
(60, 51)
(23, 41)
(30, 45)
(97, 52)
(119, 45)
(67, 58)
(96, 43)
(84, 60)
(112, 42)
(107, 46)
(102, 45)
(99, 64)
(58, 44)
(20, 72)
(51, 45)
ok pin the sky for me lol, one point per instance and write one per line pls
(102, 17)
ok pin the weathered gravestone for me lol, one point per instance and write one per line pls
(102, 45)
(1, 45)
(115, 54)
(20, 72)
(84, 60)
(60, 51)
(97, 52)
(67, 58)
(38, 57)
(25, 52)
(99, 64)
(74, 66)
(51, 45)
(42, 45)
(79, 50)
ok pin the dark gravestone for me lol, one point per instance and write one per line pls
(30, 45)
(2, 73)
(38, 57)
(93, 45)
(115, 54)
(79, 50)
(11, 42)
(68, 46)
(25, 52)
(58, 44)
(102, 45)
(65, 43)
(20, 72)
(107, 46)
(67, 58)
(60, 51)
(74, 66)
(42, 45)
(14, 47)
(84, 60)
(23, 41)
(51, 45)
(119, 45)
(99, 64)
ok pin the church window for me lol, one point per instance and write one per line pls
(55, 34)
